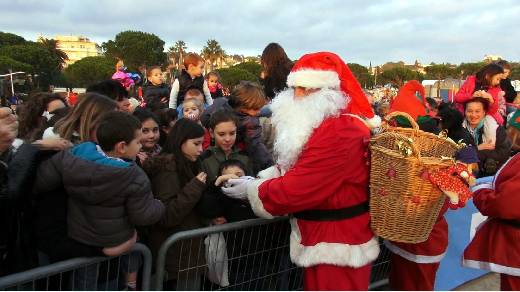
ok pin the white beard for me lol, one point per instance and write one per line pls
(295, 120)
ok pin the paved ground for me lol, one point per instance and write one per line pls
(488, 282)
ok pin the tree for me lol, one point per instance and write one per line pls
(399, 75)
(136, 48)
(229, 77)
(9, 39)
(43, 63)
(89, 70)
(440, 72)
(466, 69)
(251, 67)
(362, 75)
(7, 64)
(177, 51)
(212, 52)
(52, 46)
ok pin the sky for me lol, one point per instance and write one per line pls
(360, 31)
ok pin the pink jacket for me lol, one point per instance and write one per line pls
(465, 93)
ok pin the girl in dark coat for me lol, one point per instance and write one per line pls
(178, 182)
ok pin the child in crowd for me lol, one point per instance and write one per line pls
(115, 91)
(485, 84)
(167, 118)
(215, 88)
(223, 126)
(150, 135)
(108, 194)
(192, 109)
(190, 77)
(156, 92)
(223, 209)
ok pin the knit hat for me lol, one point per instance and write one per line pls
(327, 70)
(411, 100)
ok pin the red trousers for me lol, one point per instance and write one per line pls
(409, 276)
(330, 277)
(509, 283)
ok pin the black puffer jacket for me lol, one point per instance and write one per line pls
(153, 94)
(107, 197)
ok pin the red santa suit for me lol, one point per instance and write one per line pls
(323, 156)
(496, 245)
(413, 266)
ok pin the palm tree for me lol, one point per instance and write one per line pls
(212, 52)
(52, 46)
(177, 51)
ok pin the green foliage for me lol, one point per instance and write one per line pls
(515, 73)
(251, 67)
(136, 48)
(9, 39)
(212, 51)
(89, 70)
(177, 52)
(41, 60)
(441, 71)
(52, 46)
(362, 75)
(229, 77)
(466, 69)
(7, 63)
(399, 75)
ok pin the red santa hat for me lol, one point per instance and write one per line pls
(411, 99)
(327, 70)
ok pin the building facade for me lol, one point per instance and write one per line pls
(77, 47)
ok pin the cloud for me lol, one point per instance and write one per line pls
(360, 31)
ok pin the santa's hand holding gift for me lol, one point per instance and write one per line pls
(323, 128)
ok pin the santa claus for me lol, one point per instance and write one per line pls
(321, 178)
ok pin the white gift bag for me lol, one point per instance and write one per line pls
(217, 259)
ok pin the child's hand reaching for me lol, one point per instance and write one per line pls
(224, 178)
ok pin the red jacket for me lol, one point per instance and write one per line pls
(465, 93)
(332, 172)
(496, 245)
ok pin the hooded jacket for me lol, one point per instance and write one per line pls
(107, 196)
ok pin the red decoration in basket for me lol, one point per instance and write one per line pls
(454, 182)
(382, 192)
(391, 173)
(416, 199)
(425, 175)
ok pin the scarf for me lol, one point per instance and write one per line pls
(475, 133)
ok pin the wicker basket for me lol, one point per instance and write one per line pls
(404, 205)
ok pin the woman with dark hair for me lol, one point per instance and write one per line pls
(177, 180)
(485, 84)
(167, 118)
(275, 68)
(150, 135)
(491, 154)
(34, 114)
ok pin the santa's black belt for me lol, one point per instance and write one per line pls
(333, 214)
(514, 223)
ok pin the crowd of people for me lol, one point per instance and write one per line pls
(93, 178)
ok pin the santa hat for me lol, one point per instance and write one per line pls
(407, 100)
(327, 70)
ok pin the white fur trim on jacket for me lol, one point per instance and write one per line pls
(420, 259)
(254, 200)
(339, 254)
(271, 172)
(491, 267)
(313, 79)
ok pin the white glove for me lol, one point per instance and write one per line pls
(271, 172)
(236, 188)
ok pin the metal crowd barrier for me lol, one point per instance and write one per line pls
(99, 273)
(247, 255)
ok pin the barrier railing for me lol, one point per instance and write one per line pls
(99, 273)
(246, 255)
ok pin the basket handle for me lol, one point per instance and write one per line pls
(392, 115)
(398, 137)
